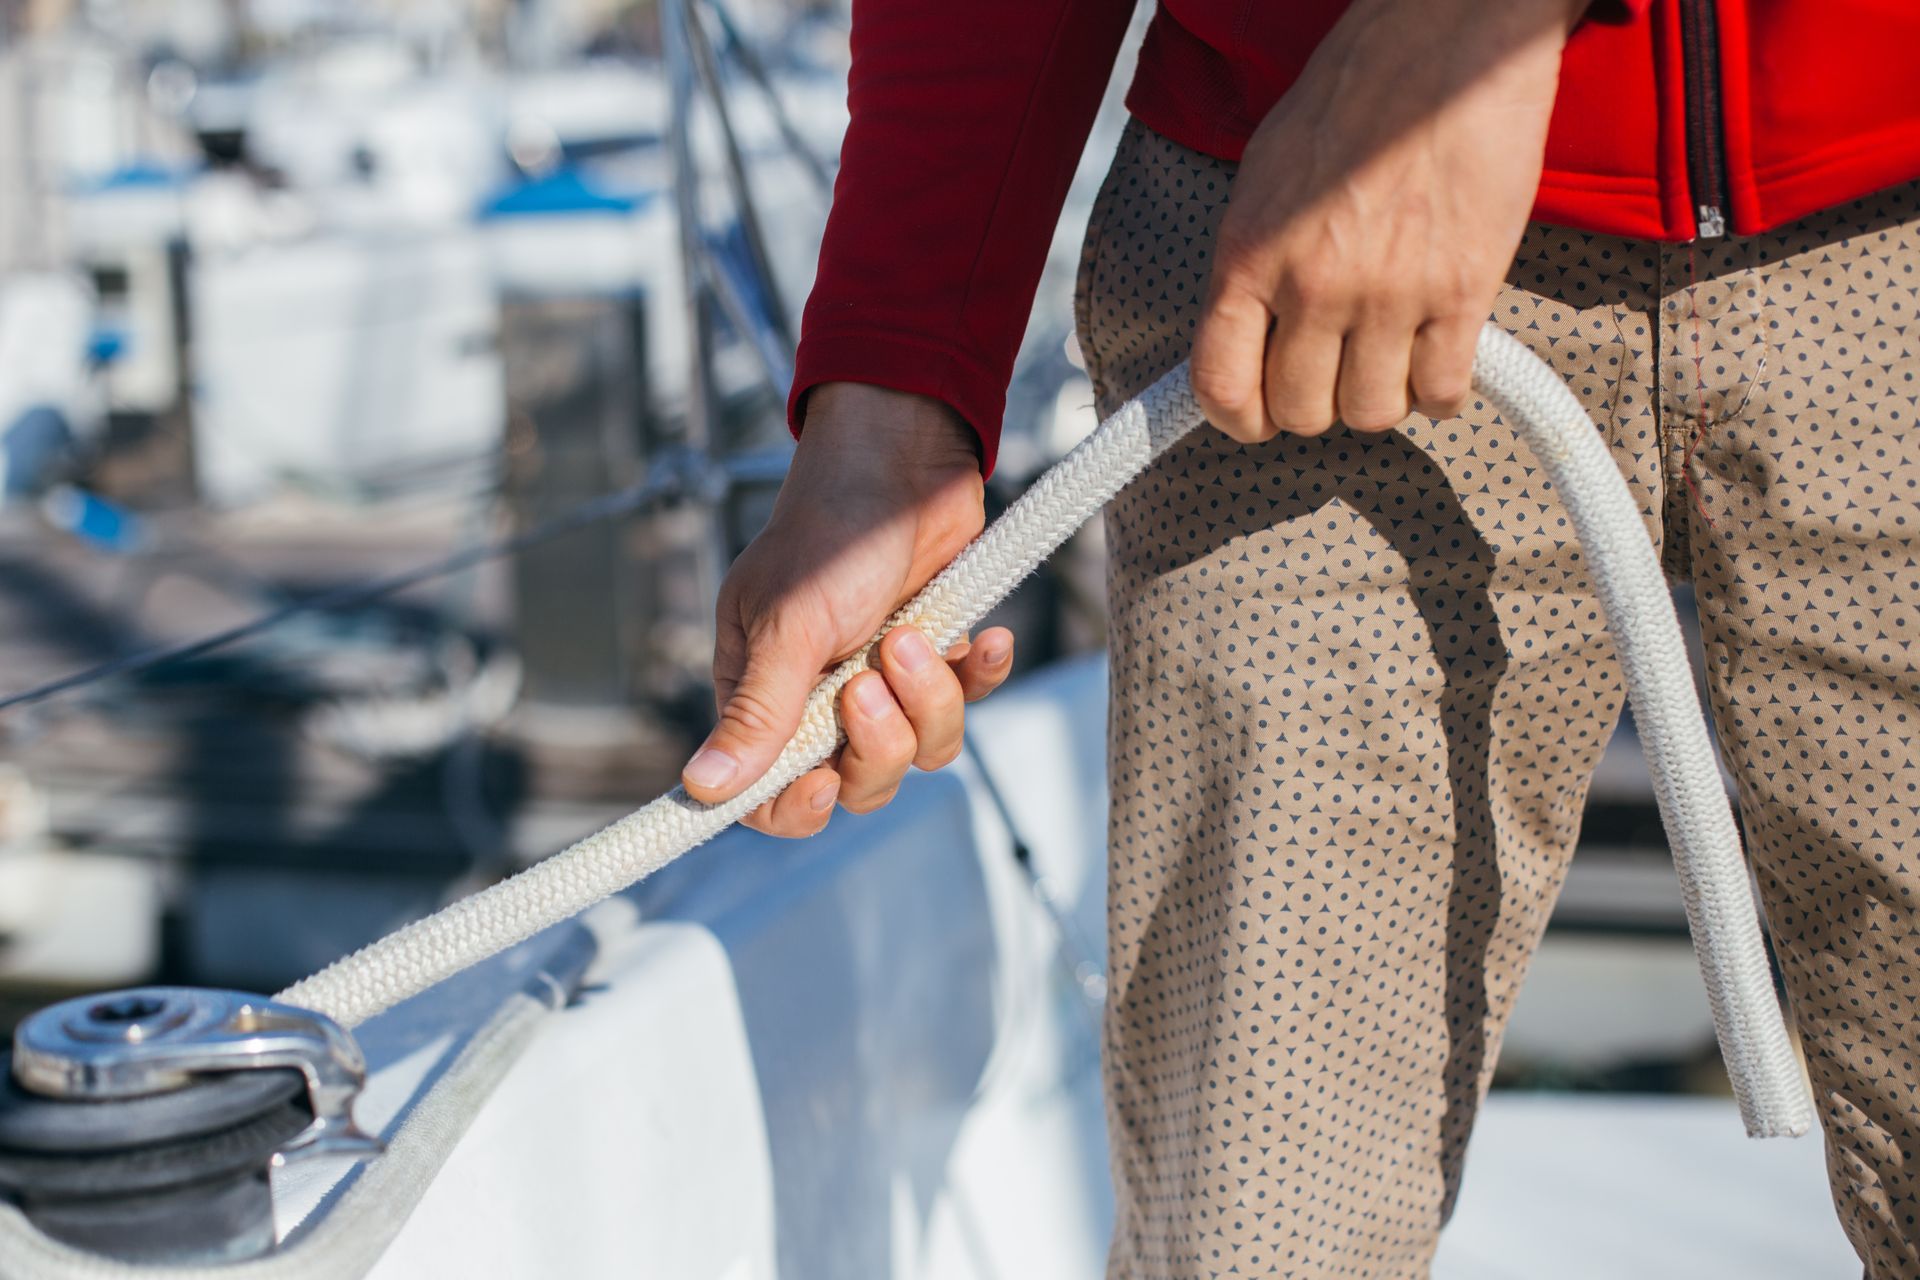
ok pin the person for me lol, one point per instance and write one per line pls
(1359, 679)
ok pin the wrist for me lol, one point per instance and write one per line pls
(1557, 18)
(858, 421)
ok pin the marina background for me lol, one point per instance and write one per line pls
(298, 295)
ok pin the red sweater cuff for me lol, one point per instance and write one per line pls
(903, 362)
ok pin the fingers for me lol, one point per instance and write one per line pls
(880, 743)
(984, 664)
(1313, 354)
(1296, 368)
(802, 809)
(908, 712)
(1374, 367)
(1303, 368)
(1229, 351)
(759, 711)
(1371, 379)
(928, 692)
(1441, 375)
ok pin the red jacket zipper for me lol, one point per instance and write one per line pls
(1706, 139)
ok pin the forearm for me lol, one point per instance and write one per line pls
(966, 124)
(1409, 58)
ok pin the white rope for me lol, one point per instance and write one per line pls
(1673, 736)
(1626, 573)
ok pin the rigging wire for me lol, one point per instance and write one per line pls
(664, 484)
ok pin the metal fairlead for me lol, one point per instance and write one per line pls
(142, 1123)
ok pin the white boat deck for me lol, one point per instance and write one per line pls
(863, 1056)
(1605, 1187)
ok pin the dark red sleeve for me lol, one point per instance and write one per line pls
(968, 118)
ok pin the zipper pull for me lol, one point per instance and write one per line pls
(1710, 223)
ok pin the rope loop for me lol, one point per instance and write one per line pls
(1627, 577)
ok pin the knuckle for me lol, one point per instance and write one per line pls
(1454, 289)
(759, 609)
(1219, 390)
(933, 686)
(750, 714)
(1235, 245)
(886, 745)
(943, 691)
(1314, 284)
(729, 651)
(1450, 296)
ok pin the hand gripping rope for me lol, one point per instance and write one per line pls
(1626, 573)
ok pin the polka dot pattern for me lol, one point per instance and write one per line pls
(1359, 687)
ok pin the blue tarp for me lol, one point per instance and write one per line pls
(563, 192)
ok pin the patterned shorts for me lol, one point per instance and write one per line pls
(1359, 688)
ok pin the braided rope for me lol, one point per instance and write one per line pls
(1626, 573)
(1673, 735)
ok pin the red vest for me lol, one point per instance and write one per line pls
(1764, 110)
(1675, 118)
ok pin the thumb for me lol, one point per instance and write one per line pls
(760, 713)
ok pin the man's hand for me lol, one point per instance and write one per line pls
(884, 490)
(1375, 213)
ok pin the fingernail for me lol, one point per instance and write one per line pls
(823, 798)
(993, 652)
(873, 698)
(913, 651)
(711, 767)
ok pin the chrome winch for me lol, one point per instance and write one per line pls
(141, 1124)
